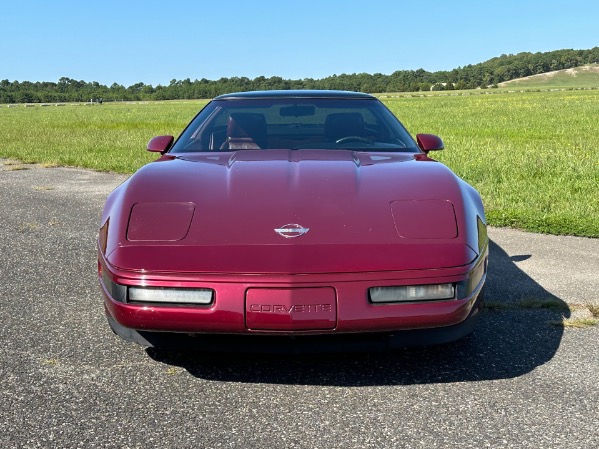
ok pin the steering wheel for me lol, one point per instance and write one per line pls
(353, 139)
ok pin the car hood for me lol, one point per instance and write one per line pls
(220, 212)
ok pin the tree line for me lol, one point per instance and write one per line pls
(482, 75)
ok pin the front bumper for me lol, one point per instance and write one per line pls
(396, 324)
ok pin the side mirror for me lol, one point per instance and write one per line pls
(429, 142)
(160, 144)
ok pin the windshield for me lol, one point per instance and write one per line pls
(295, 124)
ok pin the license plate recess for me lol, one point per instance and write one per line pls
(291, 309)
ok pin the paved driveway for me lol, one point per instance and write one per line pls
(67, 381)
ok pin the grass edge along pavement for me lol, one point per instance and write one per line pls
(532, 155)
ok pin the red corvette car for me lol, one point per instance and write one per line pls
(293, 218)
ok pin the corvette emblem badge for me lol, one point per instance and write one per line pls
(291, 230)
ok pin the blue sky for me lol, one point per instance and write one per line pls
(154, 42)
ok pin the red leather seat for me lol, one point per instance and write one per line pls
(246, 131)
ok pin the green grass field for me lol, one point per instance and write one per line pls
(532, 155)
(111, 137)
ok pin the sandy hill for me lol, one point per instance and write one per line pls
(583, 76)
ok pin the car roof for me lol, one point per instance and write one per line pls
(295, 94)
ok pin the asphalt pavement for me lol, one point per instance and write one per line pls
(519, 381)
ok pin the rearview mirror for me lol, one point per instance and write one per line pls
(297, 111)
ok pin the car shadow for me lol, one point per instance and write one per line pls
(515, 334)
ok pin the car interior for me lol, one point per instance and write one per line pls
(293, 127)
